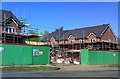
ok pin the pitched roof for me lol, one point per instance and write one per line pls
(56, 35)
(78, 33)
(5, 15)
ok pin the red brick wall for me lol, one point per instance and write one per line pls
(53, 40)
(71, 38)
(108, 35)
(98, 39)
(91, 36)
(87, 40)
(60, 42)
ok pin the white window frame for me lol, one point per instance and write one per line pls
(91, 34)
(53, 42)
(81, 40)
(10, 29)
(46, 43)
(6, 30)
(71, 36)
(63, 42)
(72, 41)
(92, 40)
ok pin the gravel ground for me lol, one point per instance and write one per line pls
(86, 67)
(78, 67)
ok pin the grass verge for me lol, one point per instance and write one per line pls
(113, 65)
(24, 68)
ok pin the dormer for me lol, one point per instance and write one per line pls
(91, 37)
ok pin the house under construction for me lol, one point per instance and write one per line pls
(10, 28)
(100, 37)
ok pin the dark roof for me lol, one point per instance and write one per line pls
(56, 35)
(78, 33)
(5, 15)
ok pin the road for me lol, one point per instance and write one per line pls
(59, 73)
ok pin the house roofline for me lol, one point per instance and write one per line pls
(90, 34)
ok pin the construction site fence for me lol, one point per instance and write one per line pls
(97, 57)
(12, 54)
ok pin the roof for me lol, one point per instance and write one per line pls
(56, 35)
(5, 15)
(78, 33)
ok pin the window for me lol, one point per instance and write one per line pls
(63, 42)
(9, 29)
(92, 40)
(81, 40)
(53, 43)
(46, 43)
(71, 41)
(12, 30)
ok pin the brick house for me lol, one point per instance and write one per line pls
(10, 28)
(99, 37)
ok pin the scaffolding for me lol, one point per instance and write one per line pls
(94, 45)
(14, 37)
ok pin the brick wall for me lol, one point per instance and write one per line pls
(12, 24)
(108, 36)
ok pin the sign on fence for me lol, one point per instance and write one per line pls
(37, 52)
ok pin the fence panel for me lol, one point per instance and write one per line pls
(99, 57)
